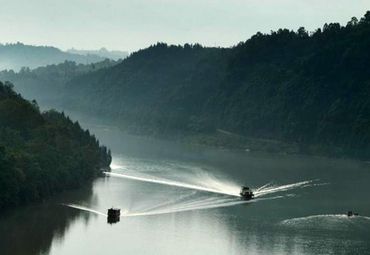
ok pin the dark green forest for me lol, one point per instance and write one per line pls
(306, 89)
(42, 153)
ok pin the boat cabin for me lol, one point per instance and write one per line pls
(114, 215)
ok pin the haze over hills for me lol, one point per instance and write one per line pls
(46, 83)
(103, 52)
(18, 55)
(310, 90)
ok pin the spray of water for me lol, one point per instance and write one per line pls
(200, 206)
(270, 188)
(227, 195)
(190, 207)
(188, 202)
(201, 182)
(229, 190)
(175, 172)
(163, 181)
(181, 198)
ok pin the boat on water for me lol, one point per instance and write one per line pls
(351, 214)
(246, 193)
(114, 215)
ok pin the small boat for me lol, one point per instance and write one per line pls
(246, 193)
(351, 214)
(114, 215)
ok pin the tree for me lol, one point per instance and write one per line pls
(302, 32)
(352, 22)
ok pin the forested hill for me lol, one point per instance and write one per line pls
(18, 55)
(42, 153)
(310, 89)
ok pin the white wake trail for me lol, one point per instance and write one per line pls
(206, 205)
(182, 203)
(322, 217)
(171, 183)
(200, 207)
(78, 207)
(170, 202)
(337, 222)
(268, 189)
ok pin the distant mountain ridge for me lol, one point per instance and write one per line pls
(103, 52)
(46, 83)
(18, 55)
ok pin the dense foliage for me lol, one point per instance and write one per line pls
(311, 89)
(159, 88)
(41, 154)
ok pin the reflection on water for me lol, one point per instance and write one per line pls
(303, 218)
(32, 229)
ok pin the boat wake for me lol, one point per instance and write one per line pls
(223, 189)
(207, 191)
(270, 188)
(326, 221)
(200, 200)
(86, 209)
(226, 200)
(201, 205)
(231, 191)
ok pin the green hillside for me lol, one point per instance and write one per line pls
(42, 153)
(310, 89)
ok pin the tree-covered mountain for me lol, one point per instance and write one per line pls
(42, 153)
(310, 90)
(158, 87)
(18, 55)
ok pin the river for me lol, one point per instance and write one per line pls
(179, 199)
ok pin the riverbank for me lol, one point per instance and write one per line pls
(219, 138)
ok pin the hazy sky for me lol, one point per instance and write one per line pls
(130, 25)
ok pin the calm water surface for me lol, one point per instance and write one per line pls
(164, 219)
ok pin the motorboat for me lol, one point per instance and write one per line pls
(114, 215)
(351, 214)
(246, 193)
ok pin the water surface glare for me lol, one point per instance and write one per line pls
(153, 179)
(181, 205)
(195, 208)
